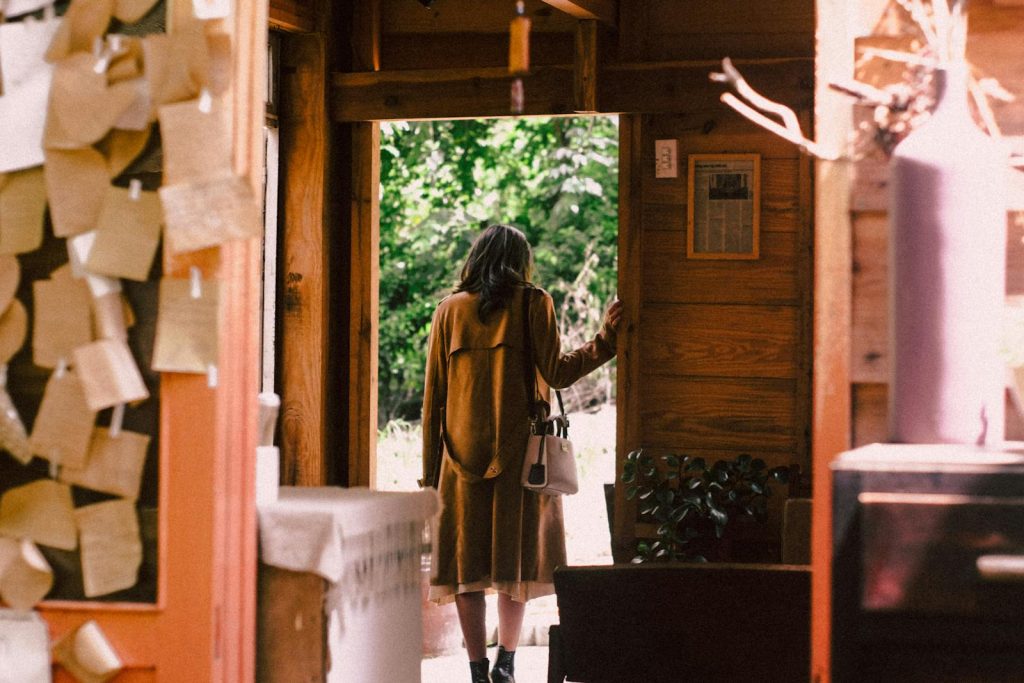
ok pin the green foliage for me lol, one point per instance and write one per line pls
(694, 503)
(443, 181)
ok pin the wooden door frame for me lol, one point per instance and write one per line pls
(202, 627)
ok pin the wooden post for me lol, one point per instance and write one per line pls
(585, 67)
(628, 427)
(364, 317)
(839, 23)
(305, 250)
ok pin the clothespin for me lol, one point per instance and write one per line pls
(196, 277)
(54, 462)
(116, 420)
(205, 101)
(135, 189)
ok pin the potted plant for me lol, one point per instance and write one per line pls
(696, 504)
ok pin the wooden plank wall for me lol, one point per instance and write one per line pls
(995, 49)
(724, 345)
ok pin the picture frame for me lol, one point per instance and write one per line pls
(723, 206)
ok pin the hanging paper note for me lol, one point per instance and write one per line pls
(209, 212)
(22, 49)
(13, 330)
(109, 374)
(13, 437)
(114, 464)
(82, 107)
(24, 647)
(127, 235)
(176, 63)
(126, 61)
(196, 144)
(63, 427)
(84, 22)
(87, 654)
(186, 326)
(76, 183)
(23, 111)
(10, 274)
(22, 206)
(211, 9)
(111, 546)
(25, 576)
(108, 317)
(137, 115)
(41, 511)
(122, 147)
(63, 319)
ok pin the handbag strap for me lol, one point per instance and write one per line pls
(530, 371)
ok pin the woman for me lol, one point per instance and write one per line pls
(492, 533)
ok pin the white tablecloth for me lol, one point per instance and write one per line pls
(367, 544)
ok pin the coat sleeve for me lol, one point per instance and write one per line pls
(434, 396)
(559, 369)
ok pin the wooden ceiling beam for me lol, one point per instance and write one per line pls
(475, 93)
(605, 11)
(292, 16)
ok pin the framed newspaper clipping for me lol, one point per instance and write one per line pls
(723, 208)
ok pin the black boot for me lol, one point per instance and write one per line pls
(478, 670)
(504, 666)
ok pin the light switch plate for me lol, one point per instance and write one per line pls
(665, 159)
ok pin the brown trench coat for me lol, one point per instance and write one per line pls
(492, 533)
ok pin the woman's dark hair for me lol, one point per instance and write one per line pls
(499, 261)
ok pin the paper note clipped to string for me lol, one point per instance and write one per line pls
(114, 464)
(206, 213)
(41, 511)
(25, 575)
(24, 647)
(22, 207)
(127, 234)
(111, 546)
(109, 374)
(62, 430)
(76, 183)
(87, 654)
(26, 79)
(186, 326)
(63, 318)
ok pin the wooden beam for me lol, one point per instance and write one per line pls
(365, 311)
(605, 11)
(839, 24)
(585, 63)
(446, 94)
(292, 16)
(472, 93)
(304, 280)
(628, 428)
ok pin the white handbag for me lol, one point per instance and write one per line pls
(549, 465)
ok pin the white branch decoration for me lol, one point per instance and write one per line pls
(789, 129)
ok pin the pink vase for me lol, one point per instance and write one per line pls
(947, 279)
